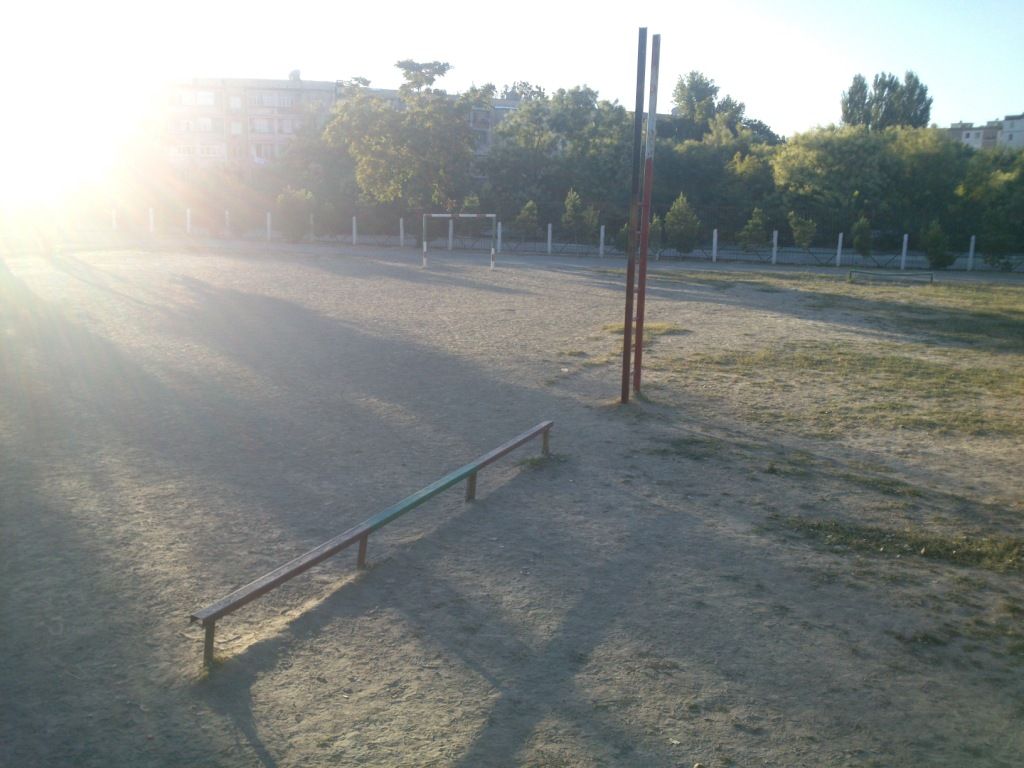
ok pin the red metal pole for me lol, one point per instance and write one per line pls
(645, 227)
(631, 246)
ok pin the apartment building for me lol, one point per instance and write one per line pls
(1008, 132)
(247, 121)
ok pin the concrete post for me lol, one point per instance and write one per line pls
(355, 231)
(970, 253)
(312, 227)
(839, 250)
(903, 253)
(401, 232)
(549, 238)
(451, 234)
(714, 245)
(499, 237)
(270, 226)
(188, 221)
(600, 243)
(424, 253)
(775, 246)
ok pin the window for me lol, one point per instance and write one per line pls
(205, 99)
(967, 135)
(204, 124)
(236, 128)
(235, 102)
(260, 125)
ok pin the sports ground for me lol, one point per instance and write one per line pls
(801, 546)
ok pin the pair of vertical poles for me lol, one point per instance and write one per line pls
(639, 216)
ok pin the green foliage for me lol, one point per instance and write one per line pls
(861, 232)
(681, 226)
(755, 232)
(572, 215)
(420, 156)
(294, 207)
(888, 103)
(992, 193)
(591, 223)
(656, 234)
(526, 222)
(803, 229)
(936, 246)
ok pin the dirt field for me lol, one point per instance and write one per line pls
(802, 547)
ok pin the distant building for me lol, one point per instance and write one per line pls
(1007, 132)
(246, 122)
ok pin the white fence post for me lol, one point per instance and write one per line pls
(775, 246)
(424, 253)
(401, 232)
(355, 231)
(549, 238)
(451, 234)
(312, 227)
(188, 221)
(270, 226)
(839, 250)
(970, 254)
(903, 253)
(499, 237)
(600, 244)
(714, 245)
(152, 221)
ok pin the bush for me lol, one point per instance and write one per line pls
(526, 222)
(862, 236)
(803, 229)
(936, 246)
(681, 226)
(294, 207)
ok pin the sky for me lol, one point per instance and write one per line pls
(74, 74)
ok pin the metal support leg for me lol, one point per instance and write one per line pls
(545, 443)
(471, 487)
(208, 644)
(361, 558)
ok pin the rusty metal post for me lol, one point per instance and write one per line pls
(361, 557)
(645, 226)
(208, 644)
(638, 120)
(471, 487)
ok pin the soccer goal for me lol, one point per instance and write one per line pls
(452, 218)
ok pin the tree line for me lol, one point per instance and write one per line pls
(564, 157)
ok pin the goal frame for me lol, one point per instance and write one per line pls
(451, 219)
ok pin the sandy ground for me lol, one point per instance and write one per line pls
(175, 424)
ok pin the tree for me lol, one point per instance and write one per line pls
(936, 246)
(803, 229)
(861, 232)
(855, 102)
(681, 226)
(754, 232)
(521, 90)
(697, 106)
(889, 102)
(420, 156)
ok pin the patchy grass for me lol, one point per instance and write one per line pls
(651, 330)
(887, 385)
(995, 552)
(694, 448)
